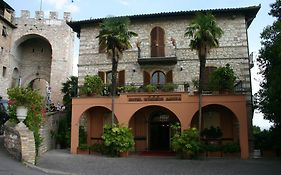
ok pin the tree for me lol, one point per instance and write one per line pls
(115, 38)
(70, 90)
(269, 60)
(204, 33)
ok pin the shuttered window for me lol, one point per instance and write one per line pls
(121, 78)
(207, 73)
(146, 78)
(169, 76)
(157, 42)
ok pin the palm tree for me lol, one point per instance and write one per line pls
(204, 34)
(115, 37)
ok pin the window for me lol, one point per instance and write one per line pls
(4, 71)
(158, 77)
(4, 31)
(157, 42)
(107, 77)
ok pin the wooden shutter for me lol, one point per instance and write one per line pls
(121, 78)
(101, 75)
(169, 76)
(207, 73)
(157, 42)
(146, 78)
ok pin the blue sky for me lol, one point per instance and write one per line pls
(86, 9)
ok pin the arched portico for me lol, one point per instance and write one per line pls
(183, 107)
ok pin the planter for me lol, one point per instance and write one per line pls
(124, 154)
(21, 115)
(214, 154)
(232, 155)
(82, 151)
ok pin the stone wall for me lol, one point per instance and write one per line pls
(19, 142)
(49, 127)
(233, 50)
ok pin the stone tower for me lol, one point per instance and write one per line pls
(41, 49)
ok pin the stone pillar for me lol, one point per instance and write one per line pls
(19, 142)
(28, 151)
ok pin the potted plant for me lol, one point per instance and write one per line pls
(222, 79)
(120, 139)
(93, 85)
(150, 88)
(211, 133)
(83, 149)
(195, 83)
(130, 88)
(186, 144)
(231, 149)
(169, 87)
(30, 101)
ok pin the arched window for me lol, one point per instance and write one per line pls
(15, 78)
(157, 42)
(158, 77)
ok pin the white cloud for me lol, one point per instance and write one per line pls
(65, 5)
(72, 8)
(126, 2)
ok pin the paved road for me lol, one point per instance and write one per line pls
(136, 165)
(64, 163)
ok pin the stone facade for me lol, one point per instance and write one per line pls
(38, 49)
(6, 31)
(233, 50)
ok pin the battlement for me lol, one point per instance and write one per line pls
(39, 15)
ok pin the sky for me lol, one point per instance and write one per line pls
(87, 9)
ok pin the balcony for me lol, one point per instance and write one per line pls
(166, 57)
(172, 60)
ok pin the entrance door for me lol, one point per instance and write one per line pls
(159, 136)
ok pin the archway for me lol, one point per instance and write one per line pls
(219, 116)
(92, 122)
(34, 53)
(151, 126)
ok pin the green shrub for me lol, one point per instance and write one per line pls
(150, 88)
(93, 85)
(232, 147)
(187, 143)
(222, 78)
(169, 87)
(34, 102)
(118, 139)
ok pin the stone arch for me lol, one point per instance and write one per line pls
(23, 38)
(34, 53)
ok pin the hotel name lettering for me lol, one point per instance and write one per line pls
(154, 98)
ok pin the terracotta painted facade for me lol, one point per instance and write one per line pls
(161, 54)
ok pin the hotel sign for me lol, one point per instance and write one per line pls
(154, 97)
